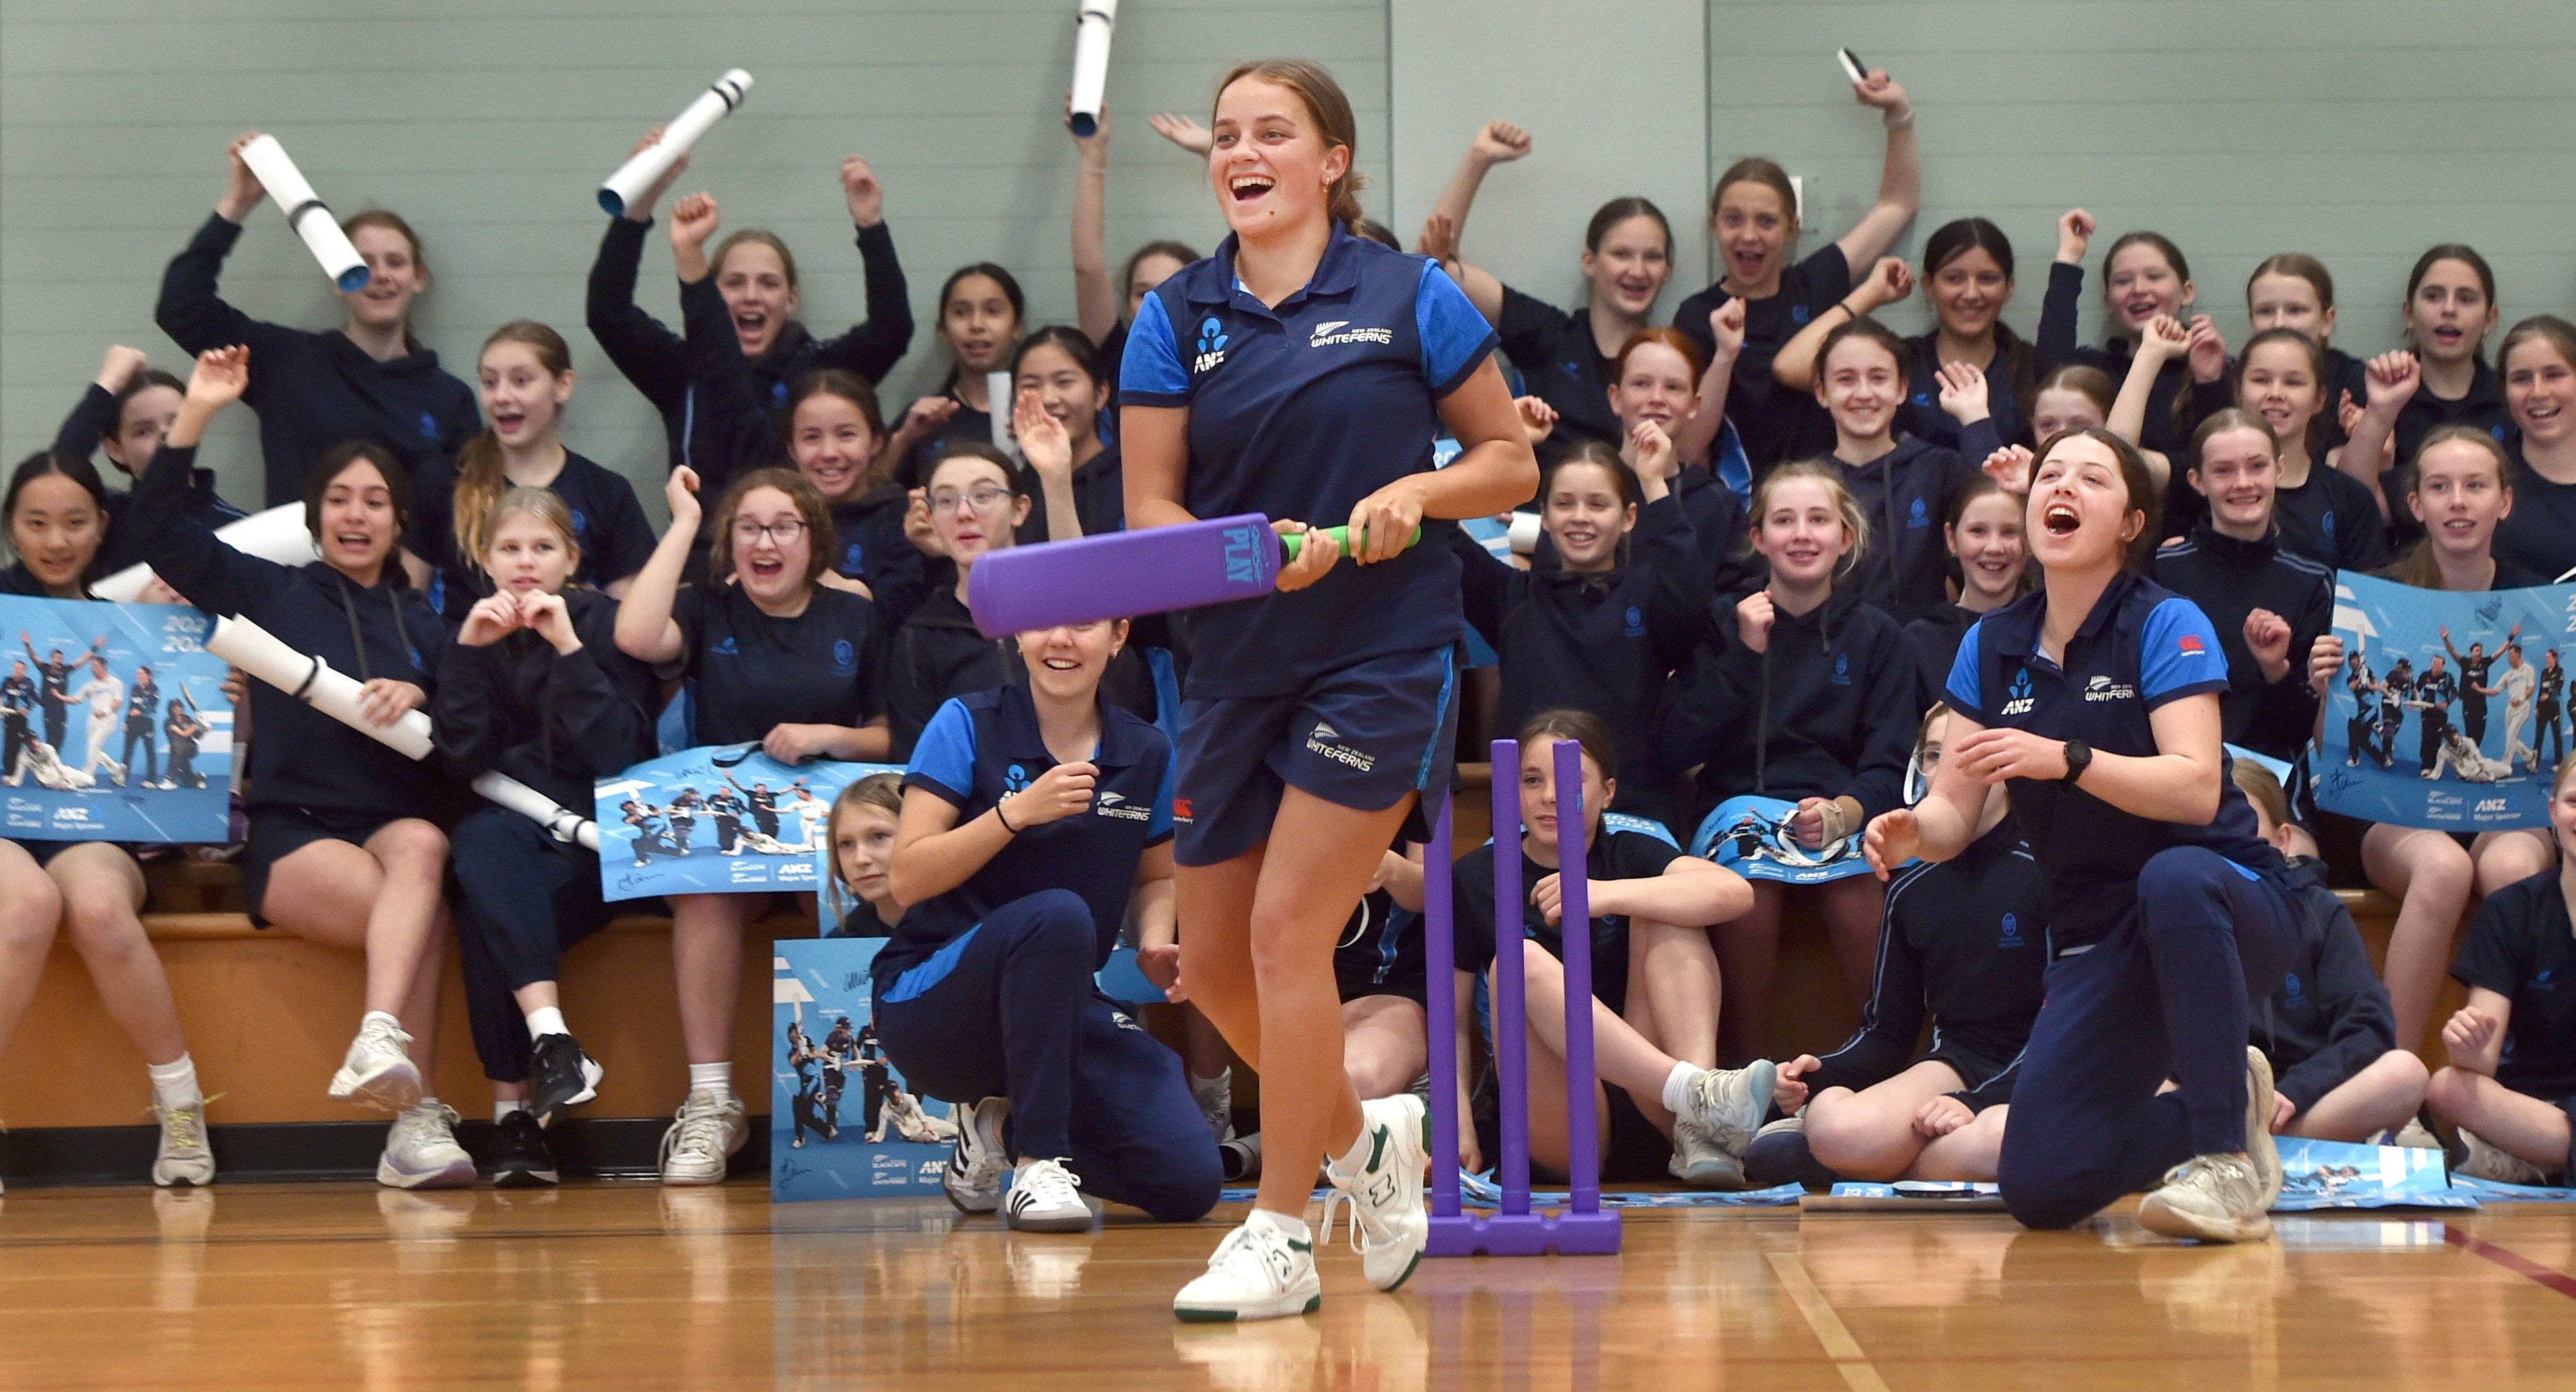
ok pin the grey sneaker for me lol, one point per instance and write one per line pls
(2209, 1198)
(421, 1151)
(378, 1070)
(183, 1158)
(1731, 1102)
(2485, 1161)
(978, 1160)
(1699, 1161)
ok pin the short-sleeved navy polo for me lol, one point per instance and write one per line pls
(981, 748)
(1299, 412)
(2141, 647)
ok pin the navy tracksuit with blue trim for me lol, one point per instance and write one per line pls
(987, 990)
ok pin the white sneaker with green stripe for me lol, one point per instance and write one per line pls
(1258, 1272)
(1389, 1223)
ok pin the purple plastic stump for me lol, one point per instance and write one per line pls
(1440, 966)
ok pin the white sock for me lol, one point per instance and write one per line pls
(1285, 1224)
(1355, 1159)
(545, 1020)
(1677, 1088)
(504, 1107)
(174, 1084)
(711, 1077)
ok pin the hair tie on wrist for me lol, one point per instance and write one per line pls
(1004, 819)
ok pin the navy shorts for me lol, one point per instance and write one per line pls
(1363, 736)
(279, 832)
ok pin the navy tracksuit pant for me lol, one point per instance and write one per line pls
(2164, 996)
(1009, 1009)
(524, 898)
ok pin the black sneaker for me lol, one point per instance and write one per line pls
(520, 1159)
(562, 1076)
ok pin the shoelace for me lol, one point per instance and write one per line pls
(700, 1129)
(1049, 1182)
(180, 1125)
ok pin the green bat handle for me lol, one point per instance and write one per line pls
(1295, 542)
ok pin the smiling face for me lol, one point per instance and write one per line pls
(521, 399)
(977, 323)
(1654, 386)
(2239, 473)
(972, 508)
(1269, 163)
(2279, 383)
(2449, 314)
(831, 443)
(526, 555)
(140, 423)
(2459, 497)
(1628, 270)
(1065, 662)
(56, 529)
(1585, 516)
(1538, 792)
(1151, 271)
(773, 547)
(757, 293)
(2140, 284)
(2281, 301)
(1064, 390)
(394, 278)
(1754, 230)
(1801, 533)
(2079, 514)
(1969, 292)
(1992, 552)
(2063, 408)
(863, 846)
(357, 516)
(1860, 385)
(2540, 392)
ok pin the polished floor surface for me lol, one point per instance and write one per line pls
(631, 1286)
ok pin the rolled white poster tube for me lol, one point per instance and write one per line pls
(1092, 22)
(306, 213)
(560, 823)
(313, 681)
(1524, 533)
(655, 160)
(998, 394)
(276, 534)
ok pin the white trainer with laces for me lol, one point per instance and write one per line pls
(2486, 1160)
(421, 1151)
(183, 1157)
(708, 1129)
(1257, 1273)
(978, 1159)
(1699, 1161)
(1390, 1225)
(1731, 1102)
(1047, 1197)
(378, 1071)
(2224, 1198)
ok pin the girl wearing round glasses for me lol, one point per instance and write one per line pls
(775, 659)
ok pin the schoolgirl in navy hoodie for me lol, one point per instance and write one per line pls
(1805, 694)
(341, 849)
(1991, 558)
(126, 412)
(2144, 277)
(368, 380)
(1902, 484)
(2439, 378)
(755, 276)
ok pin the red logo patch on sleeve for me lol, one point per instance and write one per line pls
(2191, 644)
(1180, 809)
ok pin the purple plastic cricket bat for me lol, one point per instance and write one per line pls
(1119, 575)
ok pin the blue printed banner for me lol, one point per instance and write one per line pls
(114, 725)
(842, 1125)
(1750, 835)
(2450, 708)
(718, 820)
(2337, 1174)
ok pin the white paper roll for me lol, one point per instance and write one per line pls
(651, 163)
(1524, 533)
(1092, 22)
(313, 681)
(998, 394)
(537, 807)
(306, 213)
(276, 534)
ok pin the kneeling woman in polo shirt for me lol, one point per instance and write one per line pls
(1032, 815)
(2097, 699)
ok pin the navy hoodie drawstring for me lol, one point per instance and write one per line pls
(349, 610)
(1762, 717)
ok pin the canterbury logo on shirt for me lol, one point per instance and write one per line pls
(1334, 331)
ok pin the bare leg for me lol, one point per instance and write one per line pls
(2429, 875)
(2508, 1120)
(1621, 1056)
(1216, 962)
(1673, 979)
(102, 889)
(1851, 909)
(1384, 1047)
(383, 899)
(1972, 1152)
(1748, 950)
(706, 959)
(30, 906)
(2381, 1096)
(2504, 857)
(1870, 1134)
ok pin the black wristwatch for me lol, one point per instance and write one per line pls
(2079, 756)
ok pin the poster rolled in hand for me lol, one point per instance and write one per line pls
(562, 824)
(313, 681)
(999, 396)
(277, 534)
(1092, 23)
(655, 160)
(306, 213)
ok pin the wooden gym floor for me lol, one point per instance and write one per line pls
(633, 1286)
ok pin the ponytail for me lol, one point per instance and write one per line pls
(480, 478)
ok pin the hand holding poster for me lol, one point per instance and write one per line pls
(718, 820)
(2446, 710)
(114, 725)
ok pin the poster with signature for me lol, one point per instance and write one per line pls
(2450, 709)
(842, 1123)
(114, 725)
(718, 820)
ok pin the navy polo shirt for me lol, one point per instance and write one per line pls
(982, 747)
(1299, 412)
(2141, 647)
(754, 671)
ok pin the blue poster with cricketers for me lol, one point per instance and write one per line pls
(2449, 707)
(718, 820)
(842, 1125)
(114, 725)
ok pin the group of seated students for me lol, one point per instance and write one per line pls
(1762, 534)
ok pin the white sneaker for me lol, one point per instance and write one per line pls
(183, 1157)
(978, 1160)
(1389, 1223)
(2414, 1136)
(1215, 1097)
(2258, 1124)
(1699, 1161)
(1257, 1273)
(706, 1131)
(2225, 1198)
(2487, 1161)
(1047, 1197)
(1730, 1103)
(378, 1071)
(421, 1151)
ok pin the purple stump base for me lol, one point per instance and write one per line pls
(1567, 1234)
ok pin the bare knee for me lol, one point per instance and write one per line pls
(100, 920)
(410, 847)
(2441, 872)
(2405, 1073)
(2452, 1093)
(30, 907)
